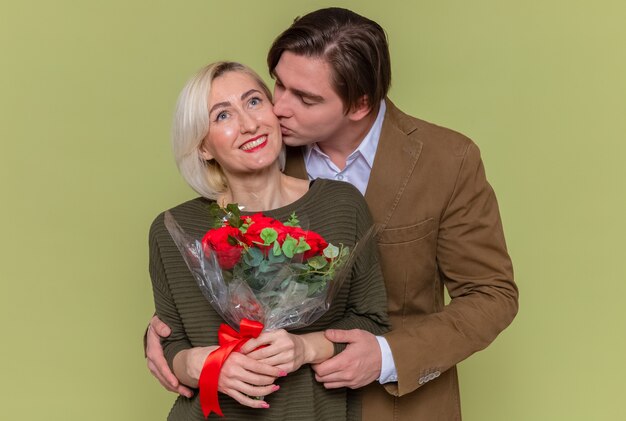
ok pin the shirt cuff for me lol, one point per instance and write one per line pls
(388, 371)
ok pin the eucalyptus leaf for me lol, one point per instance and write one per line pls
(253, 257)
(289, 245)
(276, 251)
(264, 266)
(331, 251)
(317, 262)
(302, 246)
(268, 235)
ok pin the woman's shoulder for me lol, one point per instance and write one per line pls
(192, 212)
(341, 188)
(340, 194)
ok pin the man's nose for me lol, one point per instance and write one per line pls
(281, 106)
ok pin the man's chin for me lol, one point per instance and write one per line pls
(295, 141)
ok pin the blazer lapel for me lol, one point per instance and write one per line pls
(395, 159)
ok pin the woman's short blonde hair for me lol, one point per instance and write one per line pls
(191, 126)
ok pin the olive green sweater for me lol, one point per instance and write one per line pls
(338, 212)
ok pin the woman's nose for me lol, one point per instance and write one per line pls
(248, 123)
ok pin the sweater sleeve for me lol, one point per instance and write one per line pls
(367, 300)
(164, 303)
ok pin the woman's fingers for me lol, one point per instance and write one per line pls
(246, 400)
(242, 377)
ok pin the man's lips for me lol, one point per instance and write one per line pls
(286, 131)
(254, 143)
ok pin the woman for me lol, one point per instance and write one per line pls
(228, 147)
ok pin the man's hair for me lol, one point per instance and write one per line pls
(355, 47)
(191, 126)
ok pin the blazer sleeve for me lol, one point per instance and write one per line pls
(474, 264)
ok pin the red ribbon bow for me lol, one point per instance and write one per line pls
(230, 341)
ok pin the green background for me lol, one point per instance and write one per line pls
(86, 96)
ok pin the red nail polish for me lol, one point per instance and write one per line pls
(275, 388)
(282, 373)
(265, 405)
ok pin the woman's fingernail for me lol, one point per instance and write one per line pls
(275, 388)
(282, 373)
(265, 405)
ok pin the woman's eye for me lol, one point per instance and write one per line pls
(255, 101)
(221, 116)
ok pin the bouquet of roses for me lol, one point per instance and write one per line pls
(260, 273)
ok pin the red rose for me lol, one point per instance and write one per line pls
(317, 243)
(218, 241)
(313, 239)
(258, 222)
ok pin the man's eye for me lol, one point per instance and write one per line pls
(304, 101)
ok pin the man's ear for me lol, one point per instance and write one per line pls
(361, 109)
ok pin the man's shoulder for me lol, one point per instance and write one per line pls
(433, 136)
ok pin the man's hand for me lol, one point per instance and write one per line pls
(358, 365)
(156, 361)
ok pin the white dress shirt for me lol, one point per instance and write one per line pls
(357, 172)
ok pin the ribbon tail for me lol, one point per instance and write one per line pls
(230, 340)
(209, 378)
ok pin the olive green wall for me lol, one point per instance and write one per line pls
(86, 96)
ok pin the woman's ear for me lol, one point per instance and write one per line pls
(204, 152)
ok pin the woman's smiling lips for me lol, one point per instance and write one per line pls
(254, 144)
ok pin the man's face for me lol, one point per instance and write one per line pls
(308, 108)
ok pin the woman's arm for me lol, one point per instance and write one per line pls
(288, 351)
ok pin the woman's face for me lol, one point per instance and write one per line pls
(244, 134)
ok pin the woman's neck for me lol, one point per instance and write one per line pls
(263, 191)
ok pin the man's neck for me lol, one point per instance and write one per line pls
(347, 140)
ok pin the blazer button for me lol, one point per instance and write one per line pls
(437, 373)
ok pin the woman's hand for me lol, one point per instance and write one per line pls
(287, 351)
(240, 375)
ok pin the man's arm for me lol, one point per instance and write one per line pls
(477, 271)
(156, 360)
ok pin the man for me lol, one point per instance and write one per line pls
(426, 185)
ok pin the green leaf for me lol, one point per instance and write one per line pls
(264, 266)
(289, 246)
(232, 240)
(292, 221)
(216, 215)
(253, 257)
(317, 262)
(276, 251)
(268, 235)
(302, 246)
(331, 251)
(316, 287)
